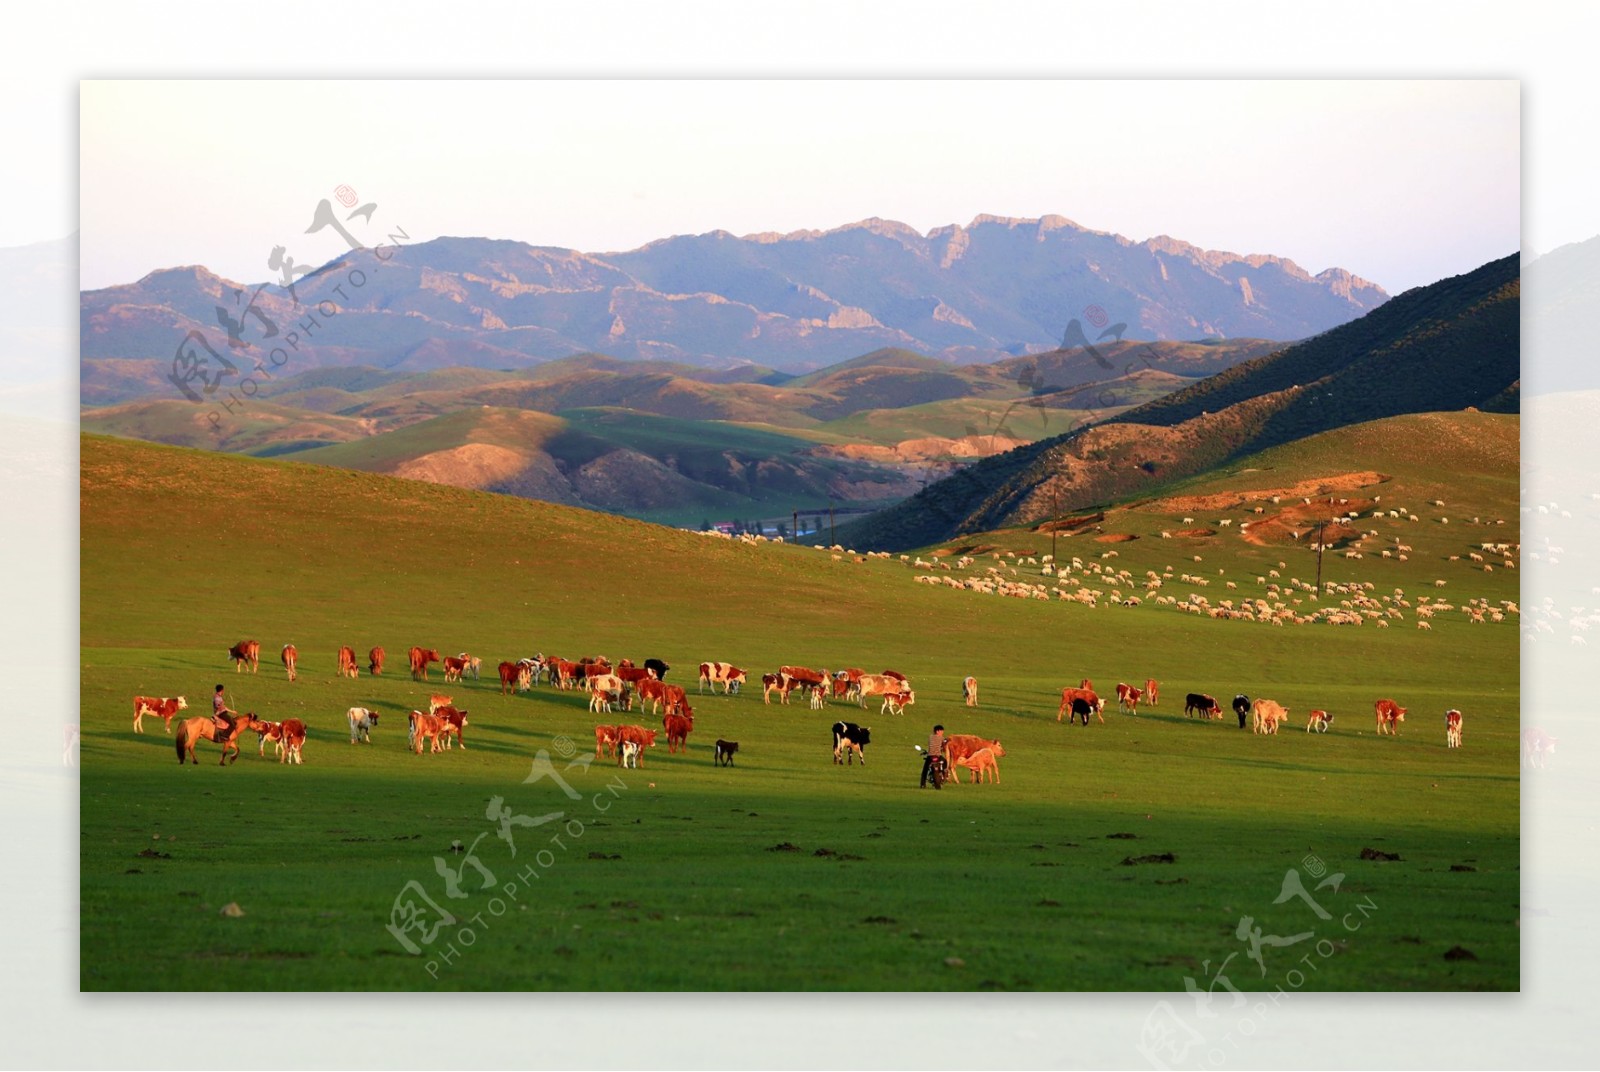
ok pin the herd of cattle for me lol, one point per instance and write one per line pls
(625, 684)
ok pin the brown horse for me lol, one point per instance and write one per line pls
(194, 730)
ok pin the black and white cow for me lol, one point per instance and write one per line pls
(658, 668)
(362, 722)
(848, 741)
(1081, 709)
(725, 752)
(1241, 707)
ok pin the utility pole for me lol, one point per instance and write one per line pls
(1321, 544)
(831, 540)
(794, 533)
(1055, 525)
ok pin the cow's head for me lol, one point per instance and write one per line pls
(864, 737)
(994, 746)
(1399, 714)
(182, 703)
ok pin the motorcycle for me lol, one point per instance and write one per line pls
(938, 768)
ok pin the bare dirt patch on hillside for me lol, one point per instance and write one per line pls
(1305, 489)
(472, 465)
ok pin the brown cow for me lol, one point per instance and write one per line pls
(375, 662)
(269, 731)
(730, 677)
(420, 658)
(981, 761)
(1128, 697)
(881, 685)
(637, 735)
(1085, 694)
(605, 737)
(515, 675)
(959, 746)
(428, 726)
(771, 683)
(437, 701)
(1390, 715)
(289, 655)
(246, 651)
(678, 728)
(453, 668)
(1268, 714)
(294, 739)
(452, 721)
(163, 706)
(801, 675)
(347, 662)
(1152, 691)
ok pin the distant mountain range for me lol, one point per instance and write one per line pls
(1452, 345)
(793, 302)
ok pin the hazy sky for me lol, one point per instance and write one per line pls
(1400, 182)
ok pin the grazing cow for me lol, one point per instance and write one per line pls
(969, 691)
(895, 703)
(454, 668)
(1319, 721)
(771, 683)
(294, 739)
(882, 685)
(628, 754)
(289, 655)
(375, 662)
(678, 728)
(1268, 714)
(978, 763)
(452, 722)
(1389, 715)
(163, 707)
(658, 668)
(437, 701)
(958, 746)
(362, 720)
(607, 689)
(347, 662)
(848, 742)
(1128, 697)
(246, 651)
(420, 658)
(640, 737)
(605, 740)
(1206, 706)
(1452, 728)
(730, 677)
(1084, 693)
(723, 757)
(269, 731)
(1241, 707)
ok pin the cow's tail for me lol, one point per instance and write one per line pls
(183, 733)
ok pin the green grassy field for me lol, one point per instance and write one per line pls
(677, 883)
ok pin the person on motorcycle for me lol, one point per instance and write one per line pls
(935, 750)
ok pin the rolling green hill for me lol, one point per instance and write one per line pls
(806, 875)
(1451, 345)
